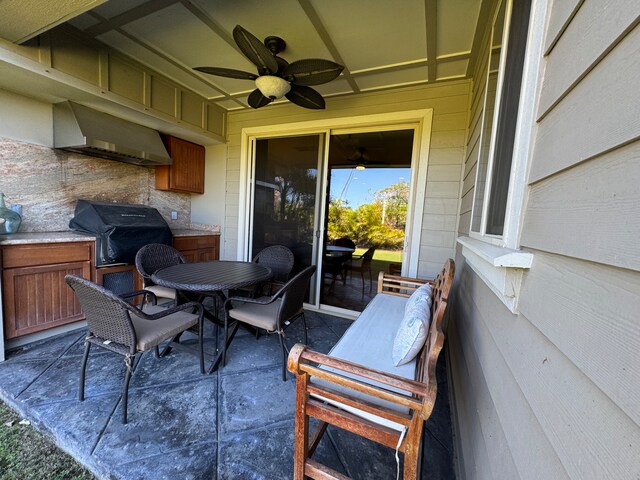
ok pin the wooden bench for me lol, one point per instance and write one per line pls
(360, 390)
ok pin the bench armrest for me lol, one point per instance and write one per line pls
(415, 395)
(401, 286)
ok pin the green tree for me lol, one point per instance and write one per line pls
(380, 223)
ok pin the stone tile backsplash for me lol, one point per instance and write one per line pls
(48, 182)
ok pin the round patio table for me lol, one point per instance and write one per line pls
(212, 278)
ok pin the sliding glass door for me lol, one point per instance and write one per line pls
(285, 198)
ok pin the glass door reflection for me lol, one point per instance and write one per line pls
(285, 191)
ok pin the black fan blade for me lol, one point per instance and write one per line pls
(227, 72)
(312, 71)
(306, 97)
(255, 51)
(256, 99)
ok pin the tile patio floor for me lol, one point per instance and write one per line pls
(234, 424)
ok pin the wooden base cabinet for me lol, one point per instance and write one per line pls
(35, 295)
(199, 248)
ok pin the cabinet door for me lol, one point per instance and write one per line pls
(186, 174)
(37, 298)
(200, 248)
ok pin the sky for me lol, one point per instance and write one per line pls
(364, 183)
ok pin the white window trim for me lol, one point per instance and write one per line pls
(498, 261)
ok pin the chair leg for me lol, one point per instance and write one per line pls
(224, 342)
(304, 324)
(83, 370)
(284, 356)
(362, 275)
(125, 388)
(201, 340)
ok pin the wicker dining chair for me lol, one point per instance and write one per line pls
(280, 260)
(153, 257)
(363, 266)
(120, 327)
(273, 314)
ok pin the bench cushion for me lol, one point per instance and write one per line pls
(369, 341)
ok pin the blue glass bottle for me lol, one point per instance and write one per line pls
(9, 220)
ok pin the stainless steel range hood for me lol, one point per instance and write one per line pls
(81, 129)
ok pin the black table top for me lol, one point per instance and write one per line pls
(211, 276)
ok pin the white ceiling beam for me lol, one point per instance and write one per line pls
(148, 8)
(326, 38)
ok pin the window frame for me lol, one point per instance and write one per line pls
(512, 211)
(497, 260)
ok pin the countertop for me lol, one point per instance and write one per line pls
(45, 237)
(70, 236)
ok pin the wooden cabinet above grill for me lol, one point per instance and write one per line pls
(186, 174)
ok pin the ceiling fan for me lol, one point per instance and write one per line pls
(276, 77)
(362, 160)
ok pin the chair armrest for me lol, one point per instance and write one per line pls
(257, 301)
(419, 397)
(178, 308)
(137, 293)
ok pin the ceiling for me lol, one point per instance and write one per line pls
(382, 44)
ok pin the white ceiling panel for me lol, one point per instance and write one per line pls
(176, 32)
(407, 76)
(283, 18)
(83, 21)
(454, 69)
(456, 25)
(372, 38)
(336, 87)
(112, 8)
(375, 33)
(151, 60)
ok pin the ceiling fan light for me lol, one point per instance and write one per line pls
(272, 87)
(360, 166)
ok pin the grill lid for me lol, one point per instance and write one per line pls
(121, 229)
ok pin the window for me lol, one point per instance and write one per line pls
(502, 93)
(511, 85)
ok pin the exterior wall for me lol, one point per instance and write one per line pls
(450, 104)
(48, 182)
(209, 208)
(554, 391)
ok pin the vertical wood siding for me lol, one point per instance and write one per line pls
(450, 118)
(562, 377)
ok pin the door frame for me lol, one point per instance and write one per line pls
(420, 119)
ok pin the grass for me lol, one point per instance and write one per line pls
(383, 255)
(381, 260)
(26, 453)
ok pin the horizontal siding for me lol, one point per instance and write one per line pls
(590, 435)
(472, 445)
(450, 105)
(598, 202)
(562, 12)
(564, 299)
(595, 29)
(516, 452)
(599, 114)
